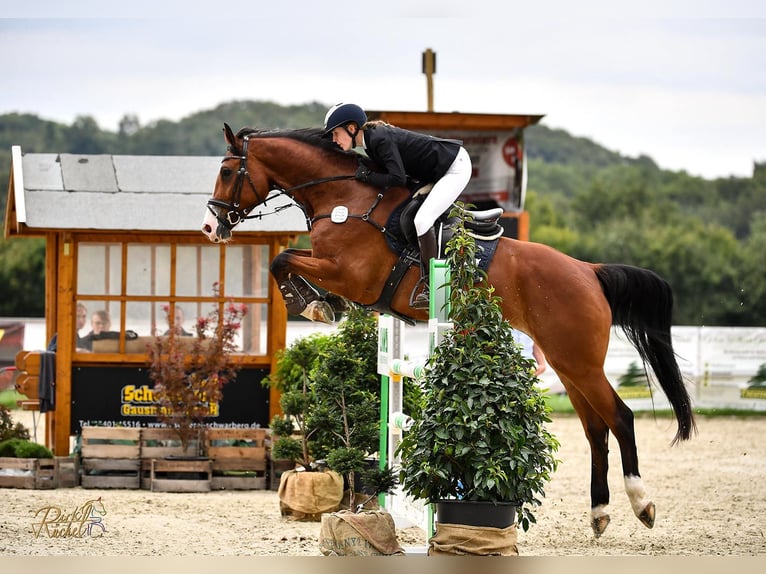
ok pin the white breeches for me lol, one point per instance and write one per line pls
(444, 192)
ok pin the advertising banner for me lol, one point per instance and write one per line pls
(123, 396)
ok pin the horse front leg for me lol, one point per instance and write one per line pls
(300, 297)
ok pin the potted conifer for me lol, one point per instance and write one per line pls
(347, 417)
(480, 444)
(307, 488)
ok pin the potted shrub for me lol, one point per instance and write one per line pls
(480, 440)
(347, 419)
(189, 377)
(285, 450)
(347, 388)
(310, 489)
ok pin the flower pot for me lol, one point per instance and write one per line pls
(476, 513)
(474, 528)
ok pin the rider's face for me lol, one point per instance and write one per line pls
(341, 137)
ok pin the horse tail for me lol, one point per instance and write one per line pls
(642, 305)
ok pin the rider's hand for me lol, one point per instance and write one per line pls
(362, 173)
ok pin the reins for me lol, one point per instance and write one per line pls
(234, 214)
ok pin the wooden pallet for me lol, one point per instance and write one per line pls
(239, 458)
(178, 475)
(111, 473)
(159, 443)
(67, 471)
(38, 473)
(111, 442)
(111, 457)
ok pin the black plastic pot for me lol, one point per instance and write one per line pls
(476, 513)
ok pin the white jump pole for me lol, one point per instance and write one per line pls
(393, 367)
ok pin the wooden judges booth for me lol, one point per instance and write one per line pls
(495, 143)
(123, 237)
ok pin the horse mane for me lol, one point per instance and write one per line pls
(310, 136)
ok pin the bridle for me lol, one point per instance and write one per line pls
(233, 214)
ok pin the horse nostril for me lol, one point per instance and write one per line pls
(206, 228)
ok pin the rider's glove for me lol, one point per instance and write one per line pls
(362, 174)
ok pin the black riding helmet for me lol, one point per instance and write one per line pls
(342, 115)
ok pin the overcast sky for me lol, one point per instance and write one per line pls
(684, 84)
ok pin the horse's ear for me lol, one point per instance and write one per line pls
(228, 134)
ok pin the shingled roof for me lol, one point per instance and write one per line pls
(52, 191)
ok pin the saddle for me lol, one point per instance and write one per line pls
(482, 225)
(402, 238)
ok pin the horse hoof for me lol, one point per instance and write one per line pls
(647, 515)
(599, 524)
(319, 311)
(339, 304)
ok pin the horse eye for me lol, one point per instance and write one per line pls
(226, 172)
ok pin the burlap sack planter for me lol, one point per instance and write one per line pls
(474, 528)
(367, 533)
(307, 495)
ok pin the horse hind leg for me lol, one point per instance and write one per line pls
(643, 508)
(607, 413)
(624, 431)
(597, 433)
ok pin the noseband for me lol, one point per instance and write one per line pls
(232, 214)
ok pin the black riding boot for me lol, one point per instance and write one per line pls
(428, 250)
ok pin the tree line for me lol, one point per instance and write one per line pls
(706, 237)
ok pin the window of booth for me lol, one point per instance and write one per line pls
(133, 291)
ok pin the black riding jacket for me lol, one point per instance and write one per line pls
(403, 153)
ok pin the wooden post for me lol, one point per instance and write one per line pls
(60, 294)
(429, 69)
(277, 325)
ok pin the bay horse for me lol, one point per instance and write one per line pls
(565, 305)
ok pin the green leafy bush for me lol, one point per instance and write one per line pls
(293, 378)
(23, 448)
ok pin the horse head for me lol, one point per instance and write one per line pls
(236, 190)
(259, 163)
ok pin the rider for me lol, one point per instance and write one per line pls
(403, 153)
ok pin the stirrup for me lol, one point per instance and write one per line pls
(423, 299)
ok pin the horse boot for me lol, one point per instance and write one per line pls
(428, 250)
(302, 299)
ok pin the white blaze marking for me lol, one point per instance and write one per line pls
(210, 221)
